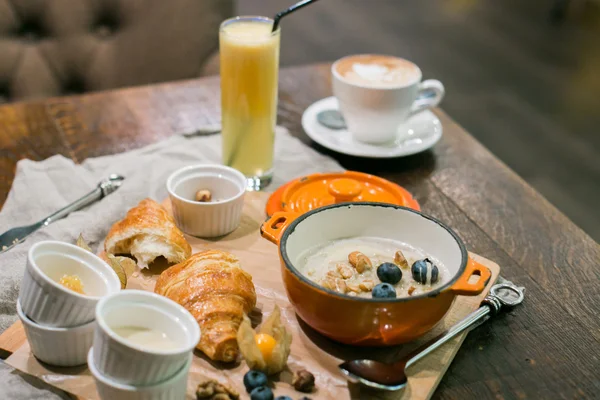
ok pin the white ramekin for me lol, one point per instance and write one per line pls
(47, 302)
(211, 219)
(63, 347)
(173, 388)
(128, 363)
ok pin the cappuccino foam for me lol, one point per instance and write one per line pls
(377, 71)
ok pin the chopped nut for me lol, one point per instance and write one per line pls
(203, 195)
(303, 381)
(213, 390)
(367, 285)
(411, 290)
(341, 285)
(400, 260)
(333, 274)
(354, 288)
(359, 261)
(353, 294)
(328, 283)
(345, 271)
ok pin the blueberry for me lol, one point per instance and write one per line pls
(283, 398)
(389, 273)
(384, 291)
(254, 379)
(261, 393)
(425, 272)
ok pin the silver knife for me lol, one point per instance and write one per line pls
(14, 236)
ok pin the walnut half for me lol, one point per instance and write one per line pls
(213, 390)
(367, 285)
(345, 271)
(354, 288)
(341, 286)
(303, 381)
(359, 261)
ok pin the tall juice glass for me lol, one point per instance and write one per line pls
(249, 73)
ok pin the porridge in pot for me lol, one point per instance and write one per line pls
(372, 267)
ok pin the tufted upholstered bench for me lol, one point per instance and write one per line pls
(59, 47)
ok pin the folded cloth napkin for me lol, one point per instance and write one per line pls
(41, 188)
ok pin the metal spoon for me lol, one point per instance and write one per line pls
(14, 236)
(392, 377)
(207, 131)
(332, 119)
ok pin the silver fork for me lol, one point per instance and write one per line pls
(14, 236)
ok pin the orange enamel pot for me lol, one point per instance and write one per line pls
(367, 321)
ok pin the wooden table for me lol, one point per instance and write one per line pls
(547, 348)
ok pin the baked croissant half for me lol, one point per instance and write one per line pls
(213, 287)
(148, 232)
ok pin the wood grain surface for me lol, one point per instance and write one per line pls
(309, 350)
(547, 349)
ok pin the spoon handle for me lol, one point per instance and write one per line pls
(104, 188)
(436, 342)
(490, 306)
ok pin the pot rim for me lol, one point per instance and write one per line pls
(433, 293)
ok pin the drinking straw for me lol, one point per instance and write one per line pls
(290, 10)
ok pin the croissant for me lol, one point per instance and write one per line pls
(148, 232)
(213, 287)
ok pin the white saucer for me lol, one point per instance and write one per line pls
(424, 130)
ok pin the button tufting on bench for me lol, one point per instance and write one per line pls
(107, 24)
(57, 47)
(31, 31)
(73, 86)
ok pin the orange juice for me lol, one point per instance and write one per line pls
(249, 73)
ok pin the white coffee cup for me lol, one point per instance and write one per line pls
(377, 93)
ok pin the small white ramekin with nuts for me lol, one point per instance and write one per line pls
(207, 200)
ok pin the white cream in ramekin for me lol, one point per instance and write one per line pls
(63, 347)
(218, 217)
(173, 388)
(130, 363)
(47, 302)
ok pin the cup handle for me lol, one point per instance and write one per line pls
(462, 285)
(430, 93)
(273, 228)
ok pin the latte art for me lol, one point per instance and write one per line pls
(377, 71)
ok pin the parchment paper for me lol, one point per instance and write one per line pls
(42, 187)
(309, 349)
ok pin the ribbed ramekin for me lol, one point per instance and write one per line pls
(47, 302)
(129, 363)
(63, 347)
(173, 388)
(218, 217)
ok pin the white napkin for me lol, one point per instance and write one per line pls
(41, 188)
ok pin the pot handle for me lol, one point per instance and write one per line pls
(273, 228)
(462, 285)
